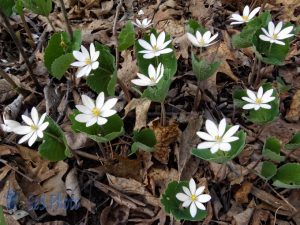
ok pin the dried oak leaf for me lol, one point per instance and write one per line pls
(293, 114)
(241, 196)
(165, 135)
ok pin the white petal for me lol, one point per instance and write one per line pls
(25, 138)
(164, 45)
(267, 99)
(186, 191)
(199, 36)
(145, 44)
(108, 113)
(271, 28)
(85, 52)
(257, 106)
(222, 127)
(186, 203)
(246, 11)
(247, 99)
(42, 119)
(32, 139)
(88, 102)
(88, 70)
(204, 198)
(205, 136)
(92, 51)
(165, 51)
(27, 120)
(95, 56)
(278, 28)
(225, 147)
(206, 36)
(283, 34)
(95, 65)
(251, 95)
(100, 100)
(91, 122)
(200, 205)
(193, 39)
(200, 190)
(78, 64)
(161, 39)
(151, 71)
(79, 56)
(230, 139)
(21, 130)
(213, 37)
(211, 128)
(110, 103)
(140, 82)
(278, 42)
(266, 32)
(205, 145)
(265, 106)
(192, 186)
(236, 23)
(83, 109)
(260, 92)
(182, 197)
(101, 121)
(237, 17)
(149, 55)
(249, 106)
(83, 118)
(268, 93)
(254, 12)
(43, 126)
(40, 133)
(193, 209)
(231, 131)
(214, 148)
(82, 71)
(153, 40)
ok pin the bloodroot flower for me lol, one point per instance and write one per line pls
(155, 76)
(202, 41)
(259, 100)
(33, 129)
(145, 23)
(9, 125)
(246, 17)
(156, 47)
(95, 112)
(216, 138)
(275, 34)
(193, 197)
(87, 61)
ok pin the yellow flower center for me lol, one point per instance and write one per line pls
(193, 198)
(96, 112)
(275, 36)
(34, 127)
(155, 48)
(88, 61)
(202, 42)
(245, 18)
(258, 101)
(218, 139)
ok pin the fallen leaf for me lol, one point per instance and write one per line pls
(117, 215)
(72, 186)
(128, 69)
(244, 217)
(241, 196)
(293, 114)
(288, 11)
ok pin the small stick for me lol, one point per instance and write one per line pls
(28, 32)
(114, 31)
(66, 19)
(16, 87)
(258, 75)
(19, 46)
(163, 114)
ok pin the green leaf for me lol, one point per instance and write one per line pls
(173, 206)
(271, 150)
(7, 6)
(18, 8)
(126, 37)
(244, 39)
(54, 146)
(40, 7)
(288, 176)
(282, 86)
(294, 143)
(268, 170)
(271, 53)
(220, 156)
(193, 26)
(202, 69)
(2, 219)
(107, 132)
(159, 92)
(144, 139)
(261, 116)
(105, 77)
(61, 64)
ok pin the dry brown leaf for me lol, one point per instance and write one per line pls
(128, 69)
(241, 196)
(78, 140)
(220, 171)
(288, 11)
(6, 91)
(293, 114)
(117, 215)
(160, 177)
(132, 186)
(53, 223)
(165, 135)
(141, 107)
(244, 217)
(7, 150)
(260, 217)
(72, 185)
(198, 10)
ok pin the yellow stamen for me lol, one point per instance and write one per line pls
(258, 101)
(218, 138)
(88, 61)
(202, 42)
(96, 112)
(193, 198)
(155, 48)
(245, 18)
(34, 127)
(275, 36)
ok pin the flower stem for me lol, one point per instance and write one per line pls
(20, 47)
(269, 50)
(63, 8)
(163, 114)
(27, 30)
(258, 76)
(197, 100)
(16, 87)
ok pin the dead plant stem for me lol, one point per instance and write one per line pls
(69, 28)
(16, 87)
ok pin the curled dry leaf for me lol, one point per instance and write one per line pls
(293, 114)
(12, 110)
(165, 135)
(141, 107)
(72, 185)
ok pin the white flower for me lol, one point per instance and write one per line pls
(145, 23)
(275, 34)
(202, 41)
(33, 129)
(9, 125)
(193, 197)
(87, 61)
(95, 112)
(259, 100)
(246, 17)
(141, 12)
(216, 138)
(154, 76)
(156, 47)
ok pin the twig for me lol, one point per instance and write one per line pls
(63, 8)
(29, 34)
(89, 156)
(197, 100)
(16, 87)
(50, 22)
(258, 76)
(163, 114)
(251, 76)
(114, 31)
(19, 46)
